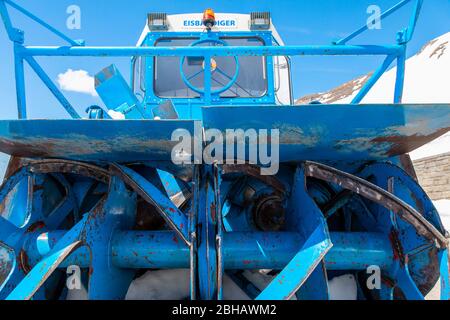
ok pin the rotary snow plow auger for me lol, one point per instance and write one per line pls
(301, 195)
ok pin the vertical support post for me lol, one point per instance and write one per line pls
(373, 80)
(20, 82)
(219, 237)
(307, 267)
(52, 87)
(117, 212)
(208, 80)
(208, 258)
(193, 219)
(400, 80)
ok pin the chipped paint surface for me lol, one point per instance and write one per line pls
(94, 140)
(98, 220)
(339, 132)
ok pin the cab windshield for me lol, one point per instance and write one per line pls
(251, 81)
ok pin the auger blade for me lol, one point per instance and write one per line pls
(42, 271)
(171, 214)
(289, 280)
(316, 286)
(60, 213)
(305, 218)
(108, 282)
(7, 229)
(407, 284)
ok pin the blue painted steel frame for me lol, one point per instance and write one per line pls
(306, 266)
(22, 53)
(305, 247)
(241, 250)
(409, 31)
(17, 37)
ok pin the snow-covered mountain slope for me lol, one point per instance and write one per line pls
(427, 80)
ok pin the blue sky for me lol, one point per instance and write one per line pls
(117, 22)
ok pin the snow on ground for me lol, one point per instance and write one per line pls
(116, 115)
(160, 285)
(343, 287)
(77, 294)
(174, 285)
(443, 207)
(170, 284)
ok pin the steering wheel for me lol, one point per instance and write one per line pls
(214, 68)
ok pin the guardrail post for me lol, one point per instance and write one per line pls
(400, 80)
(208, 79)
(20, 83)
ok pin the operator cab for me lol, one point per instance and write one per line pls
(234, 80)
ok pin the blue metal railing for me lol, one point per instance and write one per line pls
(77, 49)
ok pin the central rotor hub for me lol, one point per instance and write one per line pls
(269, 213)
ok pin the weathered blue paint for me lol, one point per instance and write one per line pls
(241, 250)
(118, 212)
(92, 140)
(67, 205)
(390, 132)
(304, 217)
(407, 285)
(329, 50)
(337, 132)
(207, 252)
(40, 273)
(400, 231)
(418, 262)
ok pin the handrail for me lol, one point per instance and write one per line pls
(24, 53)
(39, 21)
(409, 31)
(211, 51)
